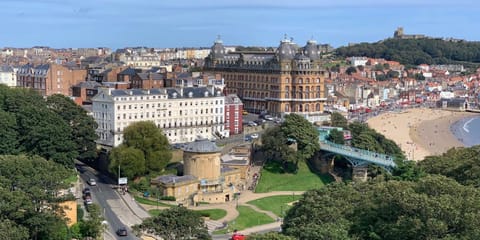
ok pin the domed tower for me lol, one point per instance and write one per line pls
(311, 50)
(202, 159)
(217, 50)
(286, 50)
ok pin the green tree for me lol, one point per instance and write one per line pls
(275, 147)
(92, 227)
(336, 137)
(338, 120)
(306, 135)
(9, 142)
(461, 164)
(29, 187)
(351, 70)
(12, 231)
(392, 74)
(378, 67)
(44, 133)
(175, 223)
(83, 126)
(149, 139)
(128, 160)
(434, 207)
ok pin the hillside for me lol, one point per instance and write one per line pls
(418, 51)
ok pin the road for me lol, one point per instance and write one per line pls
(109, 200)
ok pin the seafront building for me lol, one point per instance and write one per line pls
(184, 114)
(290, 80)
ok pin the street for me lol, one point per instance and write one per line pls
(113, 208)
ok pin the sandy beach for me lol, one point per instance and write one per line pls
(419, 132)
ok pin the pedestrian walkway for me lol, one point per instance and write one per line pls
(137, 210)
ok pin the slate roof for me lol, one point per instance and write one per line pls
(6, 68)
(166, 179)
(146, 76)
(201, 146)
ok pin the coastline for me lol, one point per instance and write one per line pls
(420, 132)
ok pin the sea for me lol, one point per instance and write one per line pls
(467, 130)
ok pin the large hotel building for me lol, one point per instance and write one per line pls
(289, 80)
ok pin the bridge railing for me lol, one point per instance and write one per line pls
(365, 155)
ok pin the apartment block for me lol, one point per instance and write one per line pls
(183, 114)
(50, 78)
(233, 114)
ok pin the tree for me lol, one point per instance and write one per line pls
(128, 160)
(461, 164)
(12, 231)
(336, 137)
(175, 223)
(83, 126)
(9, 143)
(338, 120)
(378, 67)
(29, 187)
(149, 139)
(44, 133)
(393, 74)
(92, 227)
(275, 147)
(434, 207)
(351, 70)
(306, 135)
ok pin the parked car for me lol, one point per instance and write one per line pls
(92, 182)
(122, 231)
(268, 117)
(252, 124)
(248, 138)
(254, 136)
(88, 200)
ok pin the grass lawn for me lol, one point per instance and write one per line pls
(214, 214)
(247, 218)
(152, 202)
(274, 179)
(279, 205)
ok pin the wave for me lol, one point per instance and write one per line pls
(466, 127)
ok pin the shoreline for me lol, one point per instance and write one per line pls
(420, 132)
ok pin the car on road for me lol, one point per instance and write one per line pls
(92, 182)
(248, 138)
(122, 231)
(252, 124)
(254, 136)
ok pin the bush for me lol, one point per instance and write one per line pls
(80, 212)
(168, 198)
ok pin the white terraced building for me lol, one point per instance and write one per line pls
(183, 114)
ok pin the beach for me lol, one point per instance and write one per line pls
(419, 132)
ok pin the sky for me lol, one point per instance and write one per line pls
(197, 23)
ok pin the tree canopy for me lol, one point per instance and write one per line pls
(416, 51)
(175, 223)
(434, 207)
(83, 126)
(144, 148)
(55, 129)
(461, 164)
(29, 187)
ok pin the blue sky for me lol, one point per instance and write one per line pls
(196, 23)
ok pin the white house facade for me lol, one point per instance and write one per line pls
(183, 114)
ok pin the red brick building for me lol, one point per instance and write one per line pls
(148, 80)
(233, 114)
(50, 78)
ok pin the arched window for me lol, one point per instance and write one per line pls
(317, 107)
(300, 107)
(287, 107)
(307, 108)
